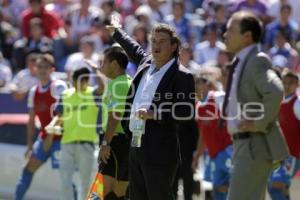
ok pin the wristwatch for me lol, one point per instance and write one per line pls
(105, 143)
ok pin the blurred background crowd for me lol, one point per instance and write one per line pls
(74, 30)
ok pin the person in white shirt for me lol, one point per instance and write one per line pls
(187, 59)
(81, 16)
(153, 111)
(25, 79)
(5, 73)
(274, 9)
(209, 49)
(77, 60)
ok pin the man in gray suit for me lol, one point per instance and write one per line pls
(251, 107)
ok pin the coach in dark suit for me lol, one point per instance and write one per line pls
(162, 95)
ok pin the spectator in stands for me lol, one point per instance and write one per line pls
(298, 50)
(140, 34)
(275, 5)
(109, 8)
(59, 7)
(224, 57)
(157, 14)
(36, 42)
(149, 14)
(80, 17)
(179, 20)
(8, 36)
(11, 10)
(186, 58)
(284, 48)
(284, 23)
(77, 60)
(218, 19)
(208, 50)
(51, 23)
(5, 73)
(127, 7)
(64, 46)
(25, 79)
(105, 36)
(141, 15)
(257, 7)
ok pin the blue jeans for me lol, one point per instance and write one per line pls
(76, 157)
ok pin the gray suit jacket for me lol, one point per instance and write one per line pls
(258, 83)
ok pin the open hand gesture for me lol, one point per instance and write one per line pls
(114, 24)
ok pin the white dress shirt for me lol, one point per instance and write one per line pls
(146, 90)
(204, 53)
(23, 81)
(233, 113)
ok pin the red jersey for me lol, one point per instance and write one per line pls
(50, 21)
(290, 126)
(43, 103)
(215, 138)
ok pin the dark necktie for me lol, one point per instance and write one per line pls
(154, 71)
(233, 65)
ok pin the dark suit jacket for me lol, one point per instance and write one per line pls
(160, 143)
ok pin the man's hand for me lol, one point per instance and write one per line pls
(144, 114)
(91, 64)
(114, 24)
(104, 153)
(53, 130)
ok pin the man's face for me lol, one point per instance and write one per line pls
(106, 67)
(32, 66)
(285, 14)
(290, 85)
(80, 84)
(212, 37)
(86, 49)
(161, 47)
(178, 10)
(44, 70)
(280, 40)
(201, 90)
(185, 56)
(36, 7)
(234, 39)
(36, 32)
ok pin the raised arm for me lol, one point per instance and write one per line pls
(101, 79)
(134, 51)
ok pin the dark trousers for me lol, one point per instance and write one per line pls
(148, 181)
(186, 173)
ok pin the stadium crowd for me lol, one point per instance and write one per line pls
(73, 30)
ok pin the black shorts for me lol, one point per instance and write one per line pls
(117, 164)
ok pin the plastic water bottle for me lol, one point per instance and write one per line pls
(137, 133)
